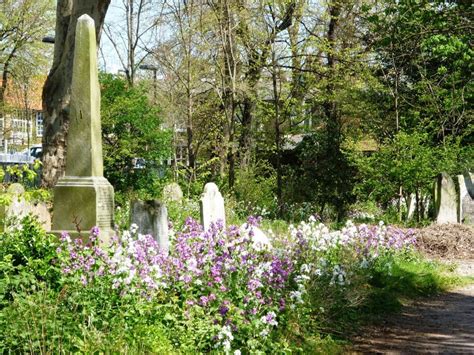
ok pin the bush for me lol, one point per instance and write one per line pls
(253, 190)
(27, 257)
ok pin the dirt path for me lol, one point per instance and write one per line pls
(442, 324)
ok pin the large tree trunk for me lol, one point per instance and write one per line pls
(56, 92)
(333, 122)
(330, 107)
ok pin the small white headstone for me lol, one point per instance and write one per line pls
(16, 189)
(259, 238)
(212, 206)
(411, 202)
(18, 207)
(151, 217)
(40, 210)
(446, 200)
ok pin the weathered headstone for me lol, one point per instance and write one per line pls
(466, 198)
(40, 210)
(423, 205)
(83, 198)
(259, 239)
(18, 207)
(16, 189)
(212, 205)
(21, 207)
(151, 217)
(446, 200)
(172, 192)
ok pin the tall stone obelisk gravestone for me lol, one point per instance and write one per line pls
(83, 198)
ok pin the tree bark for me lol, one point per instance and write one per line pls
(56, 92)
(333, 124)
(276, 105)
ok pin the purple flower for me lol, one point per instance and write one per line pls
(254, 221)
(95, 232)
(223, 310)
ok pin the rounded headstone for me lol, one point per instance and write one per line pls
(212, 206)
(259, 239)
(16, 189)
(172, 192)
(41, 211)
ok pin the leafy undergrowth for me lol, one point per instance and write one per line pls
(225, 291)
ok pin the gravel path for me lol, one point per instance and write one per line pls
(442, 324)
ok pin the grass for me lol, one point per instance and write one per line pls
(411, 276)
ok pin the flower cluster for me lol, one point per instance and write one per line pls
(235, 276)
(217, 270)
(132, 262)
(335, 256)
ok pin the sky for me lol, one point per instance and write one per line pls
(108, 58)
(115, 17)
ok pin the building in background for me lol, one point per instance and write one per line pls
(21, 116)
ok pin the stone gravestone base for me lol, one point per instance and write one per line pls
(83, 202)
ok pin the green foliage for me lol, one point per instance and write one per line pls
(23, 173)
(254, 191)
(131, 129)
(26, 176)
(322, 175)
(42, 311)
(179, 211)
(27, 256)
(425, 59)
(396, 278)
(407, 161)
(194, 178)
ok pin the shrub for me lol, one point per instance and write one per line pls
(27, 257)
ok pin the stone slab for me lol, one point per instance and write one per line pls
(212, 205)
(466, 198)
(446, 200)
(151, 217)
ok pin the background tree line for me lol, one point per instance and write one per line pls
(283, 98)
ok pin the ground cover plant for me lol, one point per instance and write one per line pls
(220, 290)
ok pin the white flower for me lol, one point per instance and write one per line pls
(296, 296)
(134, 228)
